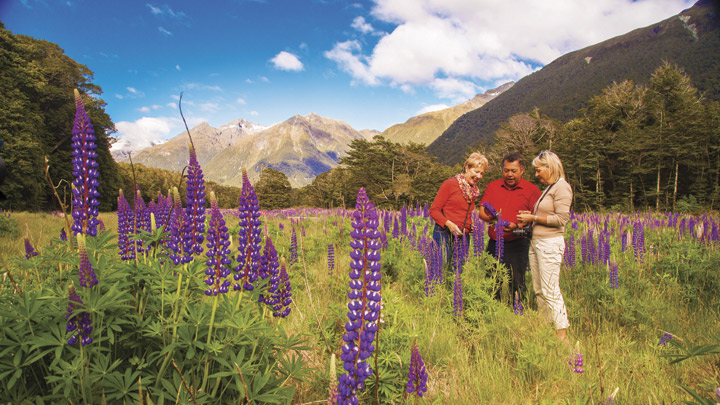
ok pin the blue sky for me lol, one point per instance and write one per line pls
(371, 63)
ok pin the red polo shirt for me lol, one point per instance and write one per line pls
(450, 204)
(510, 200)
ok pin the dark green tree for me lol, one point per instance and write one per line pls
(273, 190)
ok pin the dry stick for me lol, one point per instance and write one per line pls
(12, 280)
(62, 206)
(243, 382)
(312, 304)
(184, 122)
(140, 389)
(192, 394)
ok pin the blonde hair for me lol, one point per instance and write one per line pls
(474, 160)
(552, 162)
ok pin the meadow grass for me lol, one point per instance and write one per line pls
(489, 355)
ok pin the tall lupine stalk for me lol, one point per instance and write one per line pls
(86, 273)
(331, 258)
(576, 359)
(78, 320)
(126, 228)
(142, 221)
(174, 243)
(29, 249)
(569, 257)
(248, 258)
(293, 247)
(268, 269)
(85, 171)
(218, 250)
(457, 287)
(478, 234)
(638, 241)
(417, 377)
(613, 275)
(194, 225)
(282, 294)
(364, 306)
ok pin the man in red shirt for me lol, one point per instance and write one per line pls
(508, 196)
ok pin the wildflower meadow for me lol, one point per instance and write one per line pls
(183, 302)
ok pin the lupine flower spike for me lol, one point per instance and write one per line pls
(218, 250)
(194, 225)
(246, 272)
(86, 273)
(331, 258)
(29, 249)
(417, 379)
(665, 339)
(333, 389)
(77, 319)
(518, 306)
(576, 360)
(85, 171)
(364, 305)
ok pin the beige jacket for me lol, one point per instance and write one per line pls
(555, 206)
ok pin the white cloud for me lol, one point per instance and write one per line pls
(144, 109)
(431, 108)
(171, 105)
(452, 46)
(264, 79)
(201, 86)
(119, 96)
(132, 90)
(165, 11)
(142, 133)
(254, 113)
(241, 101)
(249, 81)
(362, 26)
(287, 61)
(177, 67)
(165, 32)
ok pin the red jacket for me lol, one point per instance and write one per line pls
(450, 204)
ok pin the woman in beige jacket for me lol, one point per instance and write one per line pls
(551, 213)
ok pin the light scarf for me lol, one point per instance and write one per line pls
(471, 193)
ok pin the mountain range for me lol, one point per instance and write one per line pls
(559, 90)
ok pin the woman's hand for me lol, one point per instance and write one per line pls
(525, 217)
(453, 228)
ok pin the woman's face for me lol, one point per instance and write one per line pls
(543, 173)
(473, 174)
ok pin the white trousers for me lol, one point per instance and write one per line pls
(545, 259)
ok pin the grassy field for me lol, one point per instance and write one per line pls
(487, 355)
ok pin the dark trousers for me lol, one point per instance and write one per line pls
(515, 257)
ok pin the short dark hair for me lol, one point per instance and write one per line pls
(514, 157)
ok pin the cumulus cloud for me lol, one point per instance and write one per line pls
(287, 61)
(362, 26)
(457, 46)
(142, 133)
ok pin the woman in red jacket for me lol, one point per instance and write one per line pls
(454, 202)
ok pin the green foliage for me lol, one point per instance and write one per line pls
(273, 190)
(37, 109)
(152, 335)
(8, 226)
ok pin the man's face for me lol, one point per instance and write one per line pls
(512, 173)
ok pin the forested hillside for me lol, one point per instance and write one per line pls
(37, 110)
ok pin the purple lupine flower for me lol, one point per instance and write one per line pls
(269, 269)
(403, 220)
(457, 287)
(331, 258)
(281, 226)
(194, 224)
(383, 240)
(717, 393)
(85, 171)
(63, 235)
(364, 306)
(613, 271)
(175, 226)
(101, 225)
(492, 213)
(576, 361)
(29, 249)
(518, 306)
(293, 248)
(500, 238)
(78, 320)
(86, 273)
(478, 234)
(218, 242)
(283, 295)
(665, 339)
(396, 228)
(417, 378)
(246, 272)
(638, 241)
(126, 229)
(142, 221)
(569, 257)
